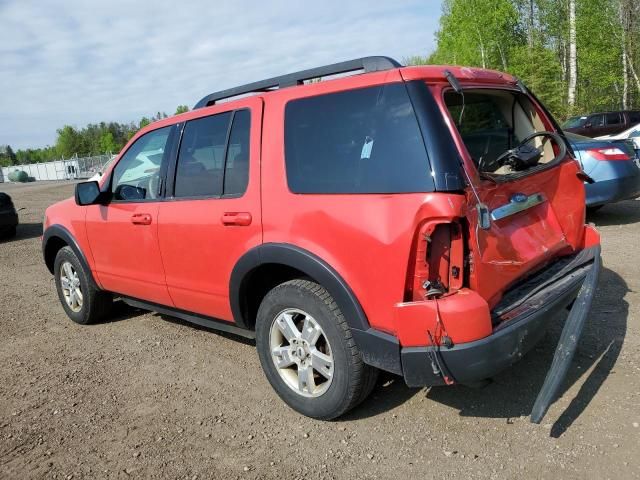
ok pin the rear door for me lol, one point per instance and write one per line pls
(212, 212)
(534, 217)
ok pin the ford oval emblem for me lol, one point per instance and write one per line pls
(519, 198)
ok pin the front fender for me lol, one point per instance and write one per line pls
(50, 239)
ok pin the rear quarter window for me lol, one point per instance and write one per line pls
(357, 141)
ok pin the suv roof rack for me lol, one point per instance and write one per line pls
(368, 64)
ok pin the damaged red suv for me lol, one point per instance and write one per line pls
(426, 221)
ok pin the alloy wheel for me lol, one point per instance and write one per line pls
(301, 352)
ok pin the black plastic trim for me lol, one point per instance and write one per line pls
(567, 344)
(64, 234)
(441, 150)
(379, 349)
(300, 259)
(368, 64)
(190, 317)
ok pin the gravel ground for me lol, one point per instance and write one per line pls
(145, 395)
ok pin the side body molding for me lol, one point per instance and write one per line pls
(58, 231)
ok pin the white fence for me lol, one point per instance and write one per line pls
(73, 168)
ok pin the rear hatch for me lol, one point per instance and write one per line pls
(527, 205)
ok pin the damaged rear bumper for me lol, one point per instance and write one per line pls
(528, 314)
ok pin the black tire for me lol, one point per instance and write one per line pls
(592, 210)
(96, 304)
(8, 233)
(352, 379)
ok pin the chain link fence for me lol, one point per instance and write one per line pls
(65, 169)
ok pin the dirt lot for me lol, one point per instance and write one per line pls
(149, 396)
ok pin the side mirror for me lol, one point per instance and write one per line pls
(88, 193)
(129, 192)
(587, 125)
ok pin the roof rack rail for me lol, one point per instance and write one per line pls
(368, 64)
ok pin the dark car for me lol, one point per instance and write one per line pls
(612, 165)
(604, 123)
(8, 217)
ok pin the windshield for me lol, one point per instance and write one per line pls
(492, 122)
(574, 122)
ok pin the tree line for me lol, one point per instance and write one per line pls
(578, 56)
(93, 139)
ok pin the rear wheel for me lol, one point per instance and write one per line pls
(82, 302)
(307, 351)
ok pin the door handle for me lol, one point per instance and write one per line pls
(241, 219)
(141, 219)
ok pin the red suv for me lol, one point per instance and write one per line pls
(426, 221)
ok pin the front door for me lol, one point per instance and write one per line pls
(123, 235)
(211, 216)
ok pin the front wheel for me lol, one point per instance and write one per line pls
(82, 302)
(307, 351)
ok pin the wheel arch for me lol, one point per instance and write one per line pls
(270, 264)
(56, 237)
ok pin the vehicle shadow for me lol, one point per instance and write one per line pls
(513, 392)
(621, 213)
(24, 231)
(123, 311)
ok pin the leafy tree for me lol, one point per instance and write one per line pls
(7, 156)
(69, 142)
(595, 69)
(107, 143)
(181, 109)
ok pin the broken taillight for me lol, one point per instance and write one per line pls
(437, 262)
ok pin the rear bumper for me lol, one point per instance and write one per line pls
(475, 361)
(528, 311)
(528, 314)
(614, 190)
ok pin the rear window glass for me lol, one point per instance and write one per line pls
(357, 141)
(634, 117)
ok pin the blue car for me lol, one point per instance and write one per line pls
(612, 164)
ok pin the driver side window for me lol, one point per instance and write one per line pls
(137, 174)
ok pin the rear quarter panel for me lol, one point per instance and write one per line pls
(367, 239)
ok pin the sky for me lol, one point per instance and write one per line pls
(75, 62)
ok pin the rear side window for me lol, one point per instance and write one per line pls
(613, 119)
(213, 160)
(634, 117)
(356, 141)
(237, 167)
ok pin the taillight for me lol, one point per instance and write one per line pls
(436, 264)
(608, 153)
